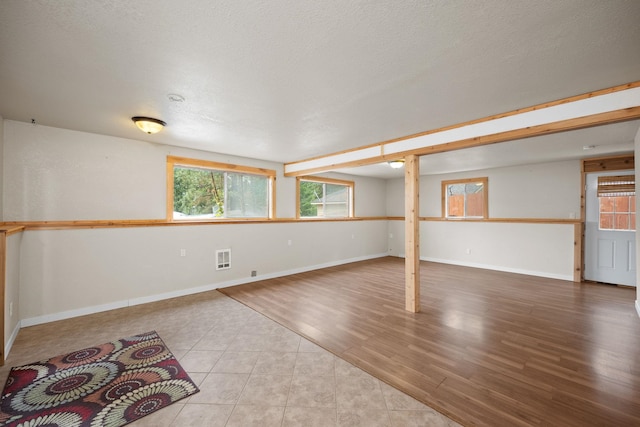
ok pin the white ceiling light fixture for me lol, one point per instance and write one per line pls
(148, 124)
(396, 164)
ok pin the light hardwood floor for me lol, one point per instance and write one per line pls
(488, 348)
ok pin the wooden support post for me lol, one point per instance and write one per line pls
(578, 237)
(412, 234)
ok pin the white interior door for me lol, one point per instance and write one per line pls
(610, 250)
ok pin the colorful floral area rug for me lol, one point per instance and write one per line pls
(112, 384)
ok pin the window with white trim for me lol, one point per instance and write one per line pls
(617, 200)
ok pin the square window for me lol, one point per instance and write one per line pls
(607, 204)
(617, 212)
(621, 204)
(621, 221)
(465, 198)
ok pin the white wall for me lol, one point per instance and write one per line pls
(544, 250)
(550, 190)
(57, 174)
(69, 271)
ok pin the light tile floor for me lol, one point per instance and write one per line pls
(251, 371)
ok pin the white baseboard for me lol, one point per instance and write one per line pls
(498, 268)
(309, 268)
(73, 313)
(183, 292)
(11, 340)
(638, 307)
(548, 275)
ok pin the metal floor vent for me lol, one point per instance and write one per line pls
(223, 259)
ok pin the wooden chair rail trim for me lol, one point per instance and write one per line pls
(506, 220)
(64, 225)
(11, 227)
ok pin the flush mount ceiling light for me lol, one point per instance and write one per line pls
(148, 125)
(396, 164)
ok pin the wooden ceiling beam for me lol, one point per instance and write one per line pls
(612, 105)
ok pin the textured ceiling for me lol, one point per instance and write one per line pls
(287, 80)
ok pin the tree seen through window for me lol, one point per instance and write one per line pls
(219, 191)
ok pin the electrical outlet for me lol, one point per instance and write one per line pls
(289, 242)
(254, 273)
(183, 252)
(468, 251)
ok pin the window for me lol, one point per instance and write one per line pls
(324, 198)
(466, 198)
(202, 190)
(617, 200)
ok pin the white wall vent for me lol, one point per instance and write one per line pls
(223, 259)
